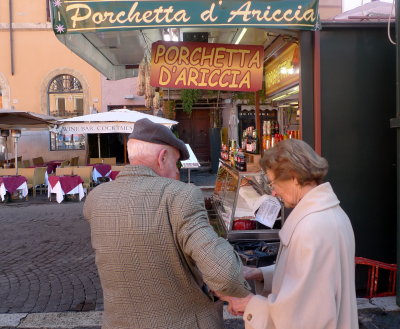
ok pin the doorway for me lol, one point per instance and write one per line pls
(194, 130)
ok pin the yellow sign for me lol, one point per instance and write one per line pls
(282, 71)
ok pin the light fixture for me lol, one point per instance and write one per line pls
(294, 90)
(241, 35)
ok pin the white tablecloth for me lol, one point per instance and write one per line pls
(96, 175)
(60, 193)
(23, 188)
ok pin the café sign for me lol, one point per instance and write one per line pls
(199, 65)
(282, 72)
(71, 16)
(72, 128)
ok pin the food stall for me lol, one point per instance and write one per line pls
(119, 34)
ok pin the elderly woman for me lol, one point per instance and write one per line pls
(311, 286)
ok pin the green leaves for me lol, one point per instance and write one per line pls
(189, 98)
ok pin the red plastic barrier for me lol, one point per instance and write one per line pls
(373, 276)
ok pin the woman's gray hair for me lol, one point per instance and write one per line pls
(293, 158)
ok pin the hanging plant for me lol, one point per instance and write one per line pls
(249, 97)
(169, 109)
(189, 98)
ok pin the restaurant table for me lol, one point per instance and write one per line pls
(52, 165)
(113, 175)
(11, 184)
(67, 184)
(100, 170)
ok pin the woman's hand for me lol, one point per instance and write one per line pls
(252, 273)
(236, 305)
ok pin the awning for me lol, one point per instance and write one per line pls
(114, 36)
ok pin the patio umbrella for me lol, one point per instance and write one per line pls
(17, 120)
(115, 121)
(10, 119)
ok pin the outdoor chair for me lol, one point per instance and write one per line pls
(26, 163)
(74, 161)
(19, 159)
(63, 171)
(28, 173)
(38, 161)
(110, 161)
(94, 160)
(85, 173)
(8, 171)
(39, 180)
(64, 164)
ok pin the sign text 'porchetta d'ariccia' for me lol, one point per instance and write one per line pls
(198, 65)
(79, 16)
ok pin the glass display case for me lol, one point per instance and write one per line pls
(244, 207)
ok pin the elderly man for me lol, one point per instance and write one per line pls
(158, 257)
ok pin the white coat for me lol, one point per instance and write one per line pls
(313, 280)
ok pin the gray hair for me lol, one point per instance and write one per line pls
(138, 149)
(293, 158)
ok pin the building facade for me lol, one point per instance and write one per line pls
(39, 74)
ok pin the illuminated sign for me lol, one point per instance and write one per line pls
(71, 16)
(199, 65)
(282, 72)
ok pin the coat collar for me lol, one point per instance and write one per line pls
(319, 198)
(135, 170)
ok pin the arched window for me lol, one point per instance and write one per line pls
(65, 99)
(65, 96)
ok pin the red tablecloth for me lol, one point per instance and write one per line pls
(52, 165)
(113, 175)
(102, 168)
(11, 183)
(67, 183)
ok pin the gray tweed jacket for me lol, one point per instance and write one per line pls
(155, 251)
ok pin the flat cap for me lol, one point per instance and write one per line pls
(148, 131)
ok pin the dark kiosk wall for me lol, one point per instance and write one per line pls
(358, 99)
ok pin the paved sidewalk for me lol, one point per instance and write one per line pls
(373, 314)
(48, 278)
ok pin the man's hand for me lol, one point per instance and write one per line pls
(251, 273)
(236, 305)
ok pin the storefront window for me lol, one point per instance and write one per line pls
(59, 142)
(65, 95)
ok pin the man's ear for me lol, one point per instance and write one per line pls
(162, 158)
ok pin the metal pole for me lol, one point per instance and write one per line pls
(16, 155)
(317, 94)
(6, 153)
(11, 37)
(125, 150)
(98, 144)
(398, 144)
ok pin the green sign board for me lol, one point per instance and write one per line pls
(71, 16)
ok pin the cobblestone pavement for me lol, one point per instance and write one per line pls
(47, 263)
(46, 260)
